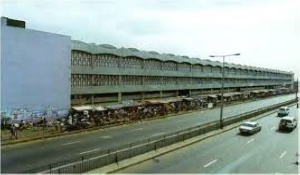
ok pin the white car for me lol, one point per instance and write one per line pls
(249, 128)
(287, 122)
(283, 111)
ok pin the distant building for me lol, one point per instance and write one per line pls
(104, 73)
(35, 70)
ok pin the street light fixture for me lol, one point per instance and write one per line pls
(222, 89)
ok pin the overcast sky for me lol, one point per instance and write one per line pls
(265, 32)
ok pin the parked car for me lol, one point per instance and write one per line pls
(283, 111)
(287, 122)
(249, 128)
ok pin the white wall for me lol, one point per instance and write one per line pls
(35, 70)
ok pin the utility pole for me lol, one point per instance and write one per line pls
(222, 87)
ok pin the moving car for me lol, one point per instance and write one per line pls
(249, 128)
(283, 111)
(287, 122)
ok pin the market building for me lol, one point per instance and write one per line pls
(42, 72)
(104, 73)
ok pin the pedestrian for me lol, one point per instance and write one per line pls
(44, 122)
(13, 132)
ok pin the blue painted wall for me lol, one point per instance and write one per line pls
(35, 71)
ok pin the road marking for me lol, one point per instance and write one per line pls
(273, 128)
(70, 143)
(210, 163)
(250, 141)
(281, 156)
(199, 123)
(158, 134)
(90, 151)
(106, 137)
(137, 129)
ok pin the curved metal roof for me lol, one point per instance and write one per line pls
(127, 52)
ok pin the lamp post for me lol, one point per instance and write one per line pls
(297, 83)
(222, 88)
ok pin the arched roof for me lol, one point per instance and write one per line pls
(126, 52)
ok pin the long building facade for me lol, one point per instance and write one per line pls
(104, 73)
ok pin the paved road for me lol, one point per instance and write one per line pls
(21, 157)
(266, 152)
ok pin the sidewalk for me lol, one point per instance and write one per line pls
(27, 135)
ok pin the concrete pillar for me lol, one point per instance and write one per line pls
(119, 97)
(176, 93)
(161, 94)
(92, 99)
(143, 95)
(190, 92)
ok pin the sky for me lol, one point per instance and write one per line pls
(265, 32)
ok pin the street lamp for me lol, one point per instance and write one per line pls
(297, 92)
(222, 89)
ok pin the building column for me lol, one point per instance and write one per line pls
(92, 99)
(119, 97)
(190, 92)
(143, 95)
(176, 93)
(161, 94)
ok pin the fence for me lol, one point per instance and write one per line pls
(114, 155)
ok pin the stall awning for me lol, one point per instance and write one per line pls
(164, 100)
(89, 108)
(100, 108)
(188, 99)
(212, 96)
(82, 108)
(115, 106)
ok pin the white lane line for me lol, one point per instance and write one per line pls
(250, 141)
(210, 163)
(137, 129)
(70, 143)
(158, 134)
(90, 151)
(273, 128)
(281, 156)
(106, 137)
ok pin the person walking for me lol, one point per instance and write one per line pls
(13, 131)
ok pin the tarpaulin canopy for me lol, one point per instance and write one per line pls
(212, 96)
(82, 108)
(89, 108)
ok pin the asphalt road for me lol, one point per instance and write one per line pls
(268, 151)
(17, 158)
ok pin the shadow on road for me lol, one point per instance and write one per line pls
(286, 131)
(244, 134)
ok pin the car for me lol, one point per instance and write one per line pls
(283, 111)
(249, 128)
(287, 122)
